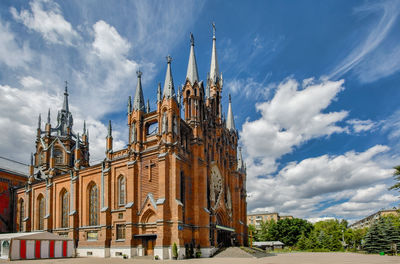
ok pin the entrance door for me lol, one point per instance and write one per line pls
(148, 245)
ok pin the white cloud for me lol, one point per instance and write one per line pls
(30, 82)
(249, 88)
(46, 18)
(108, 44)
(377, 34)
(302, 188)
(292, 117)
(13, 54)
(361, 125)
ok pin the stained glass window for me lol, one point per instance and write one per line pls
(93, 206)
(21, 215)
(64, 209)
(58, 155)
(121, 189)
(41, 202)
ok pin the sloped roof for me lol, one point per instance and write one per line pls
(12, 166)
(33, 236)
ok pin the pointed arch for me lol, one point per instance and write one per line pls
(149, 216)
(121, 190)
(64, 205)
(93, 198)
(40, 209)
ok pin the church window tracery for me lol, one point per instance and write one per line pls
(64, 209)
(41, 210)
(58, 156)
(164, 123)
(93, 205)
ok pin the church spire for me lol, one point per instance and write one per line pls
(39, 122)
(240, 165)
(159, 93)
(214, 69)
(192, 73)
(65, 104)
(129, 104)
(109, 130)
(48, 117)
(84, 127)
(148, 106)
(138, 101)
(230, 122)
(169, 91)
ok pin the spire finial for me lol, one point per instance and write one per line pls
(31, 159)
(214, 29)
(214, 69)
(84, 127)
(191, 39)
(148, 106)
(129, 104)
(109, 128)
(169, 91)
(139, 73)
(230, 122)
(138, 100)
(159, 93)
(65, 104)
(39, 121)
(48, 117)
(77, 141)
(192, 74)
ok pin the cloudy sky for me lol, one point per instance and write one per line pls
(314, 85)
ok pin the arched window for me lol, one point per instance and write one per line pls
(41, 157)
(58, 156)
(64, 209)
(41, 212)
(165, 123)
(93, 205)
(21, 215)
(121, 190)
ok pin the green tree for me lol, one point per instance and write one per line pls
(396, 175)
(302, 243)
(376, 239)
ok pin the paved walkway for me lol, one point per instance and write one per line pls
(286, 258)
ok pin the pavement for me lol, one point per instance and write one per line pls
(283, 258)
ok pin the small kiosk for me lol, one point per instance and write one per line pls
(35, 245)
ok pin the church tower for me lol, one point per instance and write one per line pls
(56, 147)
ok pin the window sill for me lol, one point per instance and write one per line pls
(120, 240)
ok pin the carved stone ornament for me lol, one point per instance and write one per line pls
(216, 189)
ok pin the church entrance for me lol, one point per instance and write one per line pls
(148, 243)
(148, 246)
(224, 236)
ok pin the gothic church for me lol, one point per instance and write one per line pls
(181, 179)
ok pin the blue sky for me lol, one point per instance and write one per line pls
(314, 86)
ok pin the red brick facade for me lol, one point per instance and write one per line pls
(178, 180)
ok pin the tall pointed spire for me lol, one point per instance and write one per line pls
(84, 127)
(159, 93)
(138, 101)
(31, 159)
(39, 121)
(214, 69)
(169, 91)
(109, 133)
(65, 104)
(129, 104)
(48, 117)
(230, 122)
(240, 164)
(179, 96)
(192, 73)
(77, 142)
